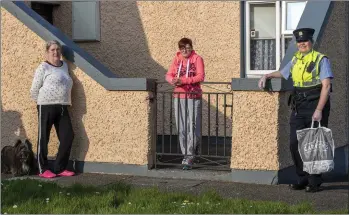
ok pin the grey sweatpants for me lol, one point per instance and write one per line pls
(188, 130)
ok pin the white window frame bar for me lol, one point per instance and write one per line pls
(284, 15)
(283, 38)
(248, 38)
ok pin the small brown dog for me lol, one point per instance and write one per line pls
(19, 159)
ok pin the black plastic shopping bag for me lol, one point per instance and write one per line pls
(316, 148)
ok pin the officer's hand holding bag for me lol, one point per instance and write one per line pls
(317, 116)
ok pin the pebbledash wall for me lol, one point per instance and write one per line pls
(220, 47)
(140, 40)
(115, 125)
(106, 123)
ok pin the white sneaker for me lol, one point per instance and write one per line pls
(188, 163)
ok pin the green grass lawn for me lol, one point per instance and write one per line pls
(32, 197)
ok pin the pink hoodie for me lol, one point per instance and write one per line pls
(190, 81)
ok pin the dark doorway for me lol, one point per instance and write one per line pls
(44, 9)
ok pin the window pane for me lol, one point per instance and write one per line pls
(263, 43)
(263, 20)
(263, 54)
(293, 14)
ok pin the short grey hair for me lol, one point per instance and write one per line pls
(52, 42)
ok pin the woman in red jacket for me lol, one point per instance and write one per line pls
(186, 73)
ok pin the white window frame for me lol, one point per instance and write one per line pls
(253, 73)
(281, 35)
(283, 38)
(286, 33)
(284, 16)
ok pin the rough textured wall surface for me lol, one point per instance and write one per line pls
(283, 132)
(104, 122)
(255, 126)
(139, 39)
(21, 52)
(62, 17)
(334, 44)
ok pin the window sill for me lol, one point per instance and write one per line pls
(251, 84)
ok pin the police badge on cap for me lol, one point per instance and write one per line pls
(303, 34)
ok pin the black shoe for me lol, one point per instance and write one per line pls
(313, 189)
(297, 186)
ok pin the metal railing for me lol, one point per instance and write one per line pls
(205, 125)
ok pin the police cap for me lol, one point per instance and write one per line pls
(303, 34)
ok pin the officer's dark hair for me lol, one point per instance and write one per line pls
(185, 41)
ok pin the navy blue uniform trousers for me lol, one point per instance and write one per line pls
(300, 119)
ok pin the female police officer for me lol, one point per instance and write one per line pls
(311, 75)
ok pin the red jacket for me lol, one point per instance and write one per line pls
(191, 81)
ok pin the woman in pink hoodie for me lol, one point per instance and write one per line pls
(186, 73)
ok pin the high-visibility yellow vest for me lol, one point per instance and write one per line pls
(300, 76)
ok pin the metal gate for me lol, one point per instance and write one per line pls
(213, 150)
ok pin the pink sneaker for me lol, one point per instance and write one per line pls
(47, 174)
(66, 173)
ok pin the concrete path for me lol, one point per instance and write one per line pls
(333, 197)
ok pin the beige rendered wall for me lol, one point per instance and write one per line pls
(139, 39)
(103, 121)
(143, 35)
(255, 130)
(261, 119)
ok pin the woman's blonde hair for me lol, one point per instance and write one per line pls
(52, 42)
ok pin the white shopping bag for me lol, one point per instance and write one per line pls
(316, 148)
